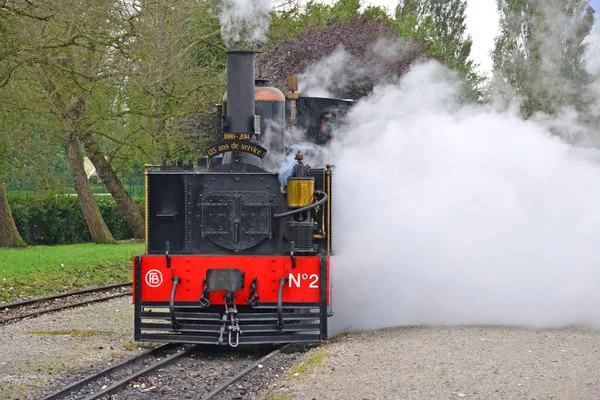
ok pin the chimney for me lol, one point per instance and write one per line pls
(240, 91)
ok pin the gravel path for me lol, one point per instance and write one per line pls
(44, 353)
(449, 363)
(195, 376)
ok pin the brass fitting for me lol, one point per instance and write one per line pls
(300, 192)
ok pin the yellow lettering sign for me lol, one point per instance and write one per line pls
(237, 136)
(247, 147)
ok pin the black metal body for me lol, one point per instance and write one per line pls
(240, 91)
(194, 212)
(319, 116)
(232, 206)
(220, 213)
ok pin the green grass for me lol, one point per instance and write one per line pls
(47, 270)
(315, 360)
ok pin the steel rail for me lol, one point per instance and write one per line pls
(123, 382)
(77, 385)
(62, 307)
(243, 373)
(62, 295)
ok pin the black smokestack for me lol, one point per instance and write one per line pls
(240, 91)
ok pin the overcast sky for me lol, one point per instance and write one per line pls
(482, 24)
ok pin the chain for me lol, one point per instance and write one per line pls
(204, 301)
(253, 298)
(230, 321)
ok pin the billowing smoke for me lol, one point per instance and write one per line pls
(342, 74)
(592, 56)
(447, 213)
(541, 62)
(278, 146)
(319, 78)
(312, 155)
(592, 59)
(454, 213)
(245, 21)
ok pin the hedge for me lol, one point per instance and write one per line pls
(58, 219)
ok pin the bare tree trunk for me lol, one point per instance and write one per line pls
(91, 212)
(9, 235)
(115, 187)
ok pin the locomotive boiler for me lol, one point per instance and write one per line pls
(233, 256)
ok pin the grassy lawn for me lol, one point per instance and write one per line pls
(46, 270)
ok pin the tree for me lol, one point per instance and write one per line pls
(442, 24)
(346, 9)
(35, 160)
(9, 235)
(539, 53)
(410, 17)
(113, 184)
(91, 212)
(293, 18)
(63, 59)
(178, 74)
(355, 55)
(131, 82)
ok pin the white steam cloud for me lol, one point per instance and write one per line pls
(340, 71)
(448, 213)
(310, 152)
(245, 21)
(592, 56)
(592, 59)
(319, 77)
(454, 213)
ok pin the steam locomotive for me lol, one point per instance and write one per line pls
(237, 251)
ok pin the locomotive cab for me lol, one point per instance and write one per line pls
(232, 256)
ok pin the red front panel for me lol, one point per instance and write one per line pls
(303, 284)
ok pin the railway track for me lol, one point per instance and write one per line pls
(122, 373)
(115, 378)
(42, 305)
(222, 387)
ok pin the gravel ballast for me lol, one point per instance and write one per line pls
(42, 354)
(449, 363)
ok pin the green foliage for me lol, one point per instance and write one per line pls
(43, 270)
(442, 24)
(35, 163)
(58, 219)
(201, 36)
(372, 55)
(409, 18)
(539, 53)
(377, 13)
(298, 20)
(177, 74)
(346, 9)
